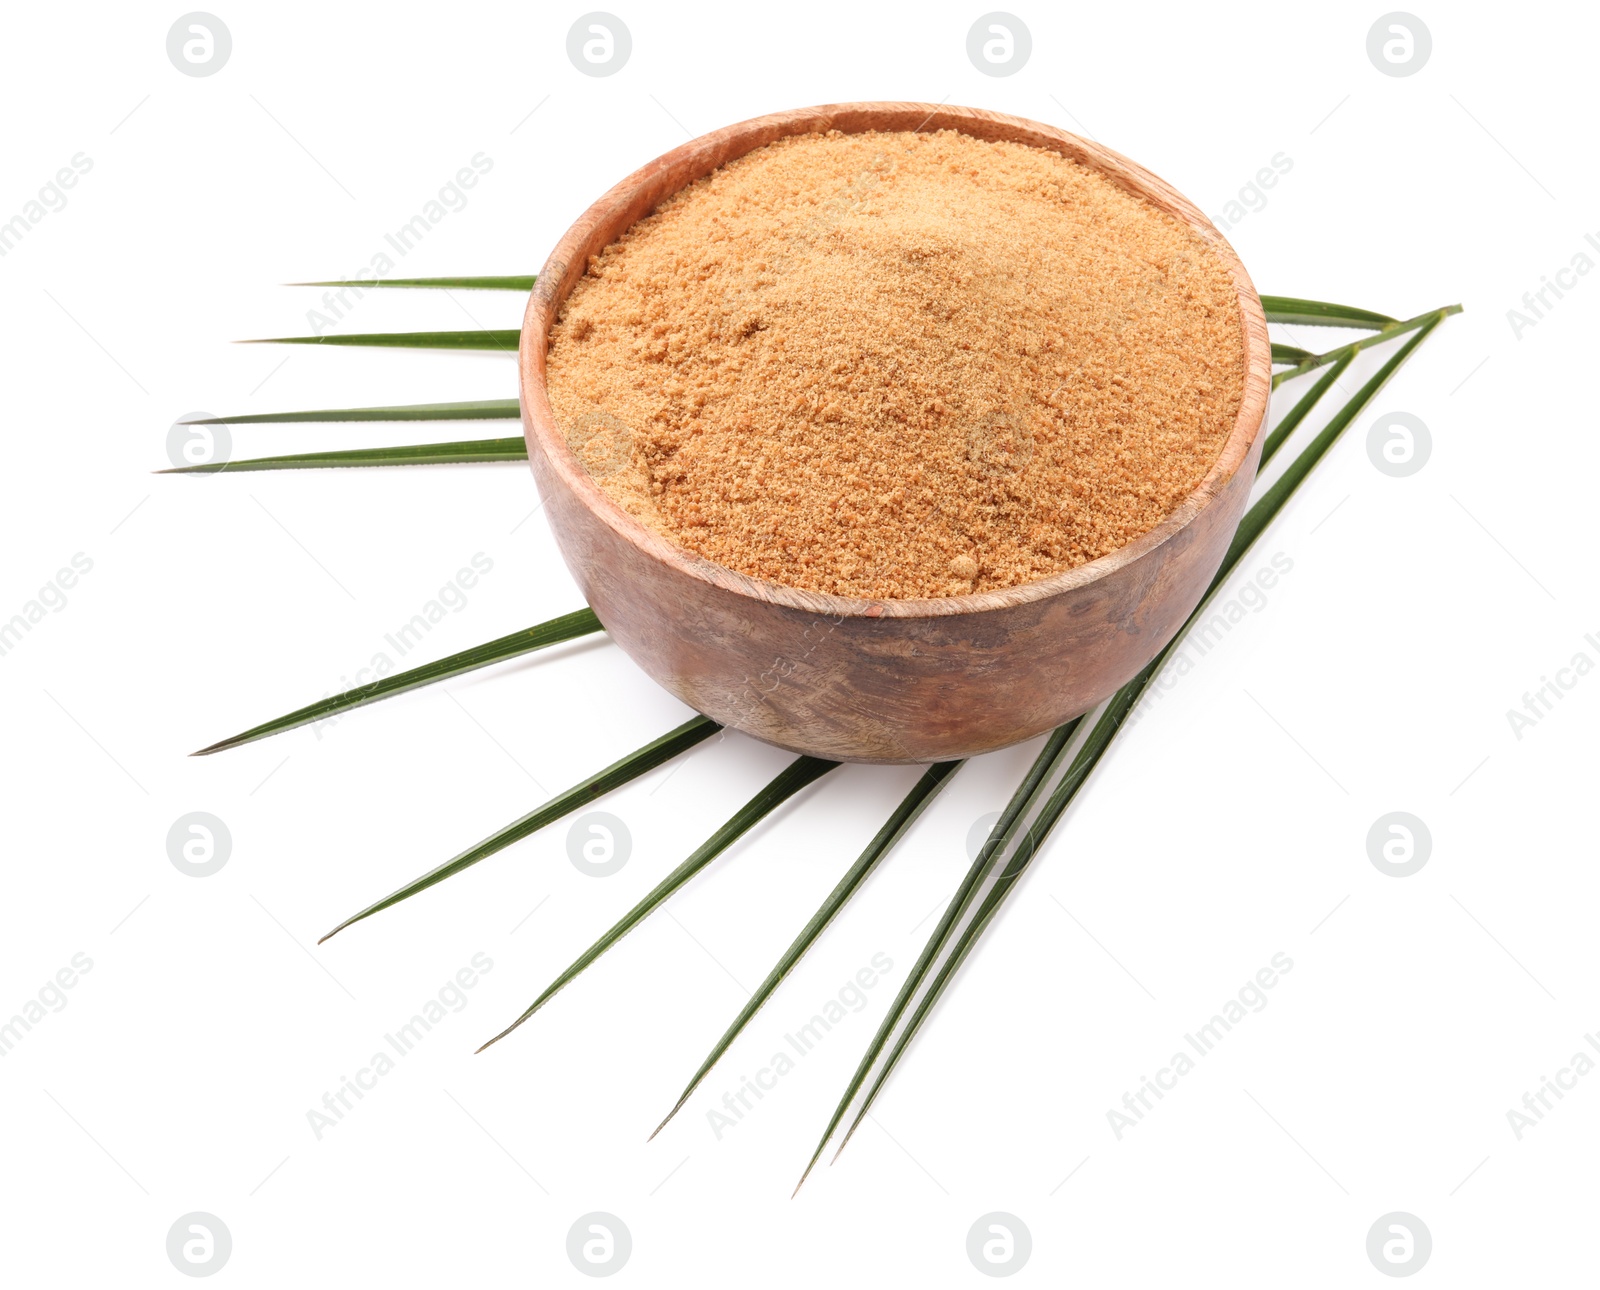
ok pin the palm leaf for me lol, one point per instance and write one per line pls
(1262, 513)
(1320, 313)
(1386, 332)
(1297, 414)
(614, 776)
(1077, 771)
(464, 284)
(799, 773)
(415, 454)
(1043, 766)
(477, 410)
(1289, 354)
(478, 338)
(903, 817)
(1116, 710)
(568, 627)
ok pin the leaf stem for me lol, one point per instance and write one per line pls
(1384, 333)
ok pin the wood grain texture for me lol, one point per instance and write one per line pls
(881, 680)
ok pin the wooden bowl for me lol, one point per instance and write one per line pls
(880, 680)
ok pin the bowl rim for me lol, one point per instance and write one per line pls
(701, 156)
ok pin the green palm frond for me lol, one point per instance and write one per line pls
(900, 820)
(1033, 782)
(478, 338)
(1297, 413)
(1320, 313)
(799, 773)
(454, 453)
(474, 410)
(1388, 331)
(1109, 722)
(1280, 309)
(1065, 763)
(524, 283)
(568, 627)
(1262, 513)
(614, 776)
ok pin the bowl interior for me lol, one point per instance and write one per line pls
(640, 193)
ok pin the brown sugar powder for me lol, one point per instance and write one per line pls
(900, 365)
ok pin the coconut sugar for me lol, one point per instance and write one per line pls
(900, 365)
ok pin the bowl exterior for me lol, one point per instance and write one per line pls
(879, 681)
(889, 689)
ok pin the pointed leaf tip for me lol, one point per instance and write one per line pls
(900, 820)
(512, 282)
(567, 627)
(799, 773)
(455, 452)
(1110, 721)
(623, 771)
(1027, 792)
(502, 340)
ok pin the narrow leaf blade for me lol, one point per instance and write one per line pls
(455, 453)
(1320, 313)
(568, 627)
(799, 773)
(1300, 410)
(900, 820)
(1387, 332)
(474, 410)
(1049, 756)
(1260, 515)
(513, 283)
(481, 338)
(636, 763)
(1116, 712)
(1083, 761)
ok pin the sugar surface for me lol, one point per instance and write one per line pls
(897, 365)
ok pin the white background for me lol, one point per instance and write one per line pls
(1223, 829)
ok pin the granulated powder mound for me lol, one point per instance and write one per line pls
(900, 365)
